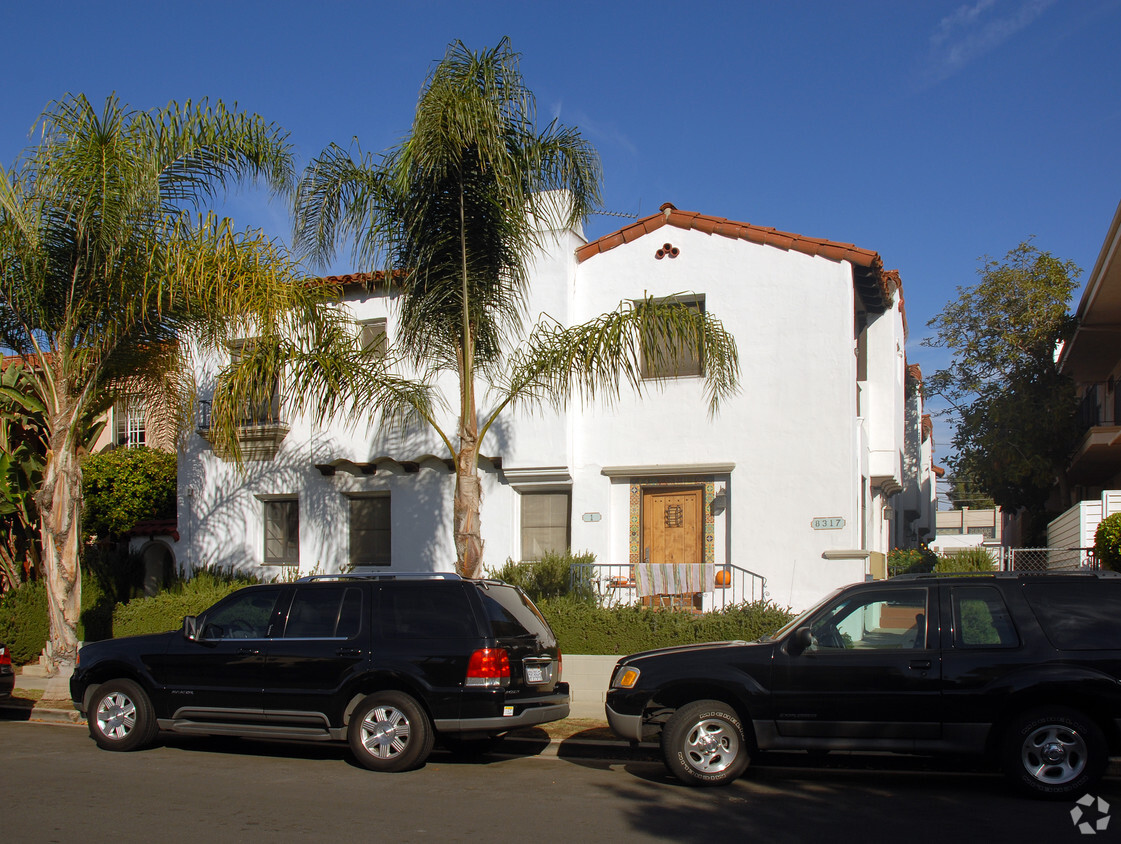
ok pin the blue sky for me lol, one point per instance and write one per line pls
(932, 132)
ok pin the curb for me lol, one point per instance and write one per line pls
(47, 712)
(63, 713)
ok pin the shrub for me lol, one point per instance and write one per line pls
(125, 486)
(910, 561)
(23, 621)
(971, 559)
(585, 628)
(1107, 542)
(550, 577)
(165, 611)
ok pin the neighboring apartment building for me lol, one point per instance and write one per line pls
(1092, 357)
(917, 502)
(794, 479)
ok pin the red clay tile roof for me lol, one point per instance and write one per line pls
(876, 286)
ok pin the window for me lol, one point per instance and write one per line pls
(1078, 616)
(324, 612)
(372, 335)
(545, 523)
(267, 411)
(661, 360)
(130, 420)
(244, 615)
(370, 534)
(282, 532)
(981, 619)
(426, 611)
(884, 620)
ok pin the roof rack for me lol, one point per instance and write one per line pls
(380, 575)
(938, 575)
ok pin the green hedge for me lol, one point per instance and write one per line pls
(165, 611)
(584, 628)
(23, 621)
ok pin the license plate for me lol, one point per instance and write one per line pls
(534, 674)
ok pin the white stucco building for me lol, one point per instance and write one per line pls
(794, 479)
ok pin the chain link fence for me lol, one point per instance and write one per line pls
(1047, 559)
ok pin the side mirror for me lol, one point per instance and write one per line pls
(802, 640)
(190, 627)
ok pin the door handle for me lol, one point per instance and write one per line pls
(921, 664)
(248, 651)
(349, 652)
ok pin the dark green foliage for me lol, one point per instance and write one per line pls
(1016, 412)
(23, 621)
(1107, 542)
(971, 559)
(550, 577)
(165, 611)
(910, 561)
(125, 486)
(584, 628)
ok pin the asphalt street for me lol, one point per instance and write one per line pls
(59, 787)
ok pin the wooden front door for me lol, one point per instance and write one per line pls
(673, 526)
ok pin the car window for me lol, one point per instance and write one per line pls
(881, 620)
(324, 612)
(1078, 616)
(244, 615)
(511, 613)
(426, 611)
(981, 618)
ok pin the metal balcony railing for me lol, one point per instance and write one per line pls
(617, 584)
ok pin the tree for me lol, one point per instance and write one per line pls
(454, 211)
(1016, 421)
(107, 263)
(23, 454)
(124, 486)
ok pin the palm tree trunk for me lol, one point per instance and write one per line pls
(468, 491)
(59, 501)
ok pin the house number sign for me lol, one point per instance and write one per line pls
(827, 523)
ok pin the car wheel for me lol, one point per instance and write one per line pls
(470, 748)
(703, 743)
(389, 731)
(120, 716)
(1054, 752)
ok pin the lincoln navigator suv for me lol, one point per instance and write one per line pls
(386, 662)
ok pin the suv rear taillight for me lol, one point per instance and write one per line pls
(489, 668)
(5, 656)
(560, 665)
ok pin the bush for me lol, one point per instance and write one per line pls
(125, 486)
(910, 561)
(1107, 542)
(584, 628)
(971, 559)
(551, 576)
(165, 611)
(23, 621)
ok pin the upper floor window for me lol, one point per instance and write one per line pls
(372, 335)
(545, 523)
(266, 411)
(661, 359)
(131, 421)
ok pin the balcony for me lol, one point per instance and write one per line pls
(259, 433)
(1097, 458)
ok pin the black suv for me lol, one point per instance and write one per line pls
(386, 662)
(1024, 668)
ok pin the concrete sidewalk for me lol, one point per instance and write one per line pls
(53, 704)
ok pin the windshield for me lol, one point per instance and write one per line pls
(799, 620)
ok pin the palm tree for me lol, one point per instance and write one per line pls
(454, 211)
(107, 263)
